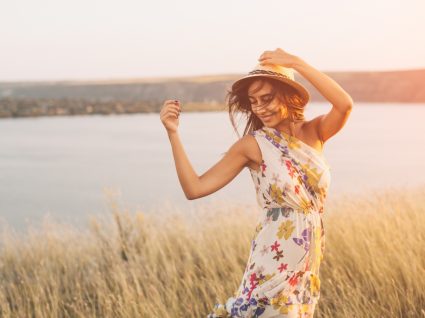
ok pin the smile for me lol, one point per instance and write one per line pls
(266, 117)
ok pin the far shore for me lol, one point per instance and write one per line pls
(201, 93)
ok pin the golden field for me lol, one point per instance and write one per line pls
(171, 263)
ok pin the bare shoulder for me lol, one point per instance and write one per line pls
(310, 133)
(313, 124)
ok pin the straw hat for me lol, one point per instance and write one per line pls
(283, 74)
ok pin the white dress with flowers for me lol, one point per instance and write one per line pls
(289, 240)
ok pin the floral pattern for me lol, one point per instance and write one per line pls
(282, 273)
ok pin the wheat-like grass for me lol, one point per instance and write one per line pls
(172, 263)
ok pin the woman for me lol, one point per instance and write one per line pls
(283, 153)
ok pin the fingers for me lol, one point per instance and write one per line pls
(171, 105)
(171, 108)
(170, 101)
(265, 54)
(170, 113)
(174, 112)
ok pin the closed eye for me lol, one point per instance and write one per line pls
(268, 97)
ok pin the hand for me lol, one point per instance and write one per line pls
(169, 115)
(278, 57)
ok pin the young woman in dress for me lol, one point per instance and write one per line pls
(284, 154)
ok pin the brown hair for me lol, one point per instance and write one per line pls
(238, 102)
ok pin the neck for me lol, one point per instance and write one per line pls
(285, 125)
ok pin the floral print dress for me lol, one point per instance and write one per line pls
(282, 273)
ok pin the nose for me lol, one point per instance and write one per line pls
(259, 109)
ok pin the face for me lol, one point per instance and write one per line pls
(265, 103)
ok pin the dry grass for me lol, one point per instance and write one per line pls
(173, 263)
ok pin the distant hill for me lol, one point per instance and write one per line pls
(197, 93)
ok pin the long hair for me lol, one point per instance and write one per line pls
(237, 102)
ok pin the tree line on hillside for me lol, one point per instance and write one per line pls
(196, 93)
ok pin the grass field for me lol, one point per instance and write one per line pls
(173, 263)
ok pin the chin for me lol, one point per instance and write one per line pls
(269, 121)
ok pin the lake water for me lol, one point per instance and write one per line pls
(66, 166)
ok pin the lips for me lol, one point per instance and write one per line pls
(266, 117)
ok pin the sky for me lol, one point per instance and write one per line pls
(94, 40)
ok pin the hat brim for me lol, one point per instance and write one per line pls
(302, 91)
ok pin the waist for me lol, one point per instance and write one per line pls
(297, 215)
(290, 209)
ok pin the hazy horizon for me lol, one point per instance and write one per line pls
(79, 40)
(158, 78)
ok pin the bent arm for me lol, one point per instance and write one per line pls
(326, 86)
(188, 178)
(225, 170)
(342, 103)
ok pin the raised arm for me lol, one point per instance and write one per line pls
(225, 170)
(328, 124)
